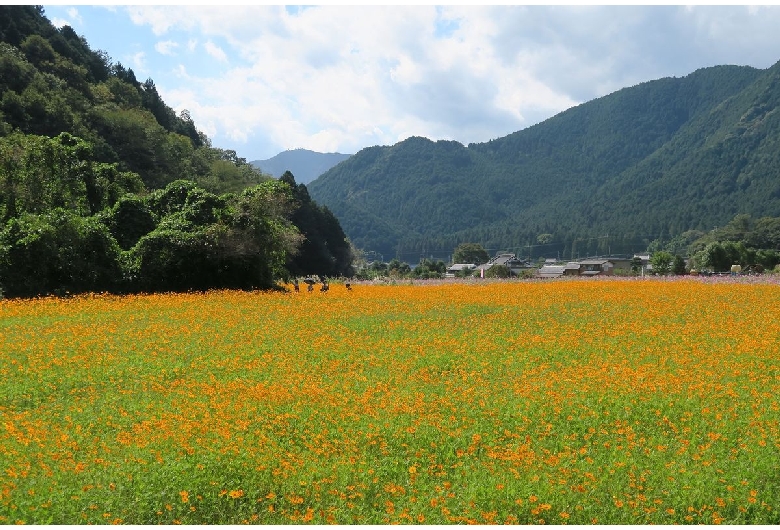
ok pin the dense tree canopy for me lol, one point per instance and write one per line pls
(652, 161)
(103, 187)
(470, 253)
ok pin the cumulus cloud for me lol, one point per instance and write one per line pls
(59, 22)
(215, 51)
(345, 77)
(166, 47)
(157, 17)
(138, 63)
(74, 19)
(73, 13)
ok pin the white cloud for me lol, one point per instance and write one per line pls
(166, 47)
(73, 13)
(157, 17)
(344, 77)
(59, 22)
(74, 19)
(215, 51)
(138, 62)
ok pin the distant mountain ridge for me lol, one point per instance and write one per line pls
(304, 164)
(646, 162)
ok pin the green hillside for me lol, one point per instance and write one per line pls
(103, 187)
(611, 175)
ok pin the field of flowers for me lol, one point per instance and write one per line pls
(598, 401)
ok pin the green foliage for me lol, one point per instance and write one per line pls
(719, 257)
(465, 273)
(662, 160)
(325, 250)
(498, 271)
(15, 71)
(57, 252)
(129, 219)
(370, 270)
(766, 259)
(173, 260)
(203, 241)
(52, 82)
(428, 268)
(38, 51)
(678, 265)
(398, 269)
(177, 238)
(38, 174)
(470, 253)
(104, 187)
(662, 263)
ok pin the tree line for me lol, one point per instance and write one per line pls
(72, 225)
(103, 187)
(613, 174)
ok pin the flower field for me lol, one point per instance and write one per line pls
(559, 402)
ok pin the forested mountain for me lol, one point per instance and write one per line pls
(103, 187)
(304, 164)
(611, 175)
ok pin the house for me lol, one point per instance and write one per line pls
(620, 264)
(571, 269)
(551, 271)
(510, 261)
(588, 267)
(593, 267)
(458, 268)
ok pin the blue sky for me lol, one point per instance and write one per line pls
(262, 79)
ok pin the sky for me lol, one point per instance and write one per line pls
(333, 78)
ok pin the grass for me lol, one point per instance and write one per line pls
(562, 402)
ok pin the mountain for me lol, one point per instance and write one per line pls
(611, 175)
(304, 164)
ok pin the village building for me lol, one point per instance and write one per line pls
(510, 261)
(586, 267)
(458, 268)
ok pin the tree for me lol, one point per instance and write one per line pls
(498, 271)
(678, 265)
(429, 268)
(544, 239)
(398, 268)
(721, 256)
(261, 219)
(38, 51)
(636, 265)
(203, 241)
(57, 252)
(325, 251)
(661, 262)
(129, 220)
(470, 253)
